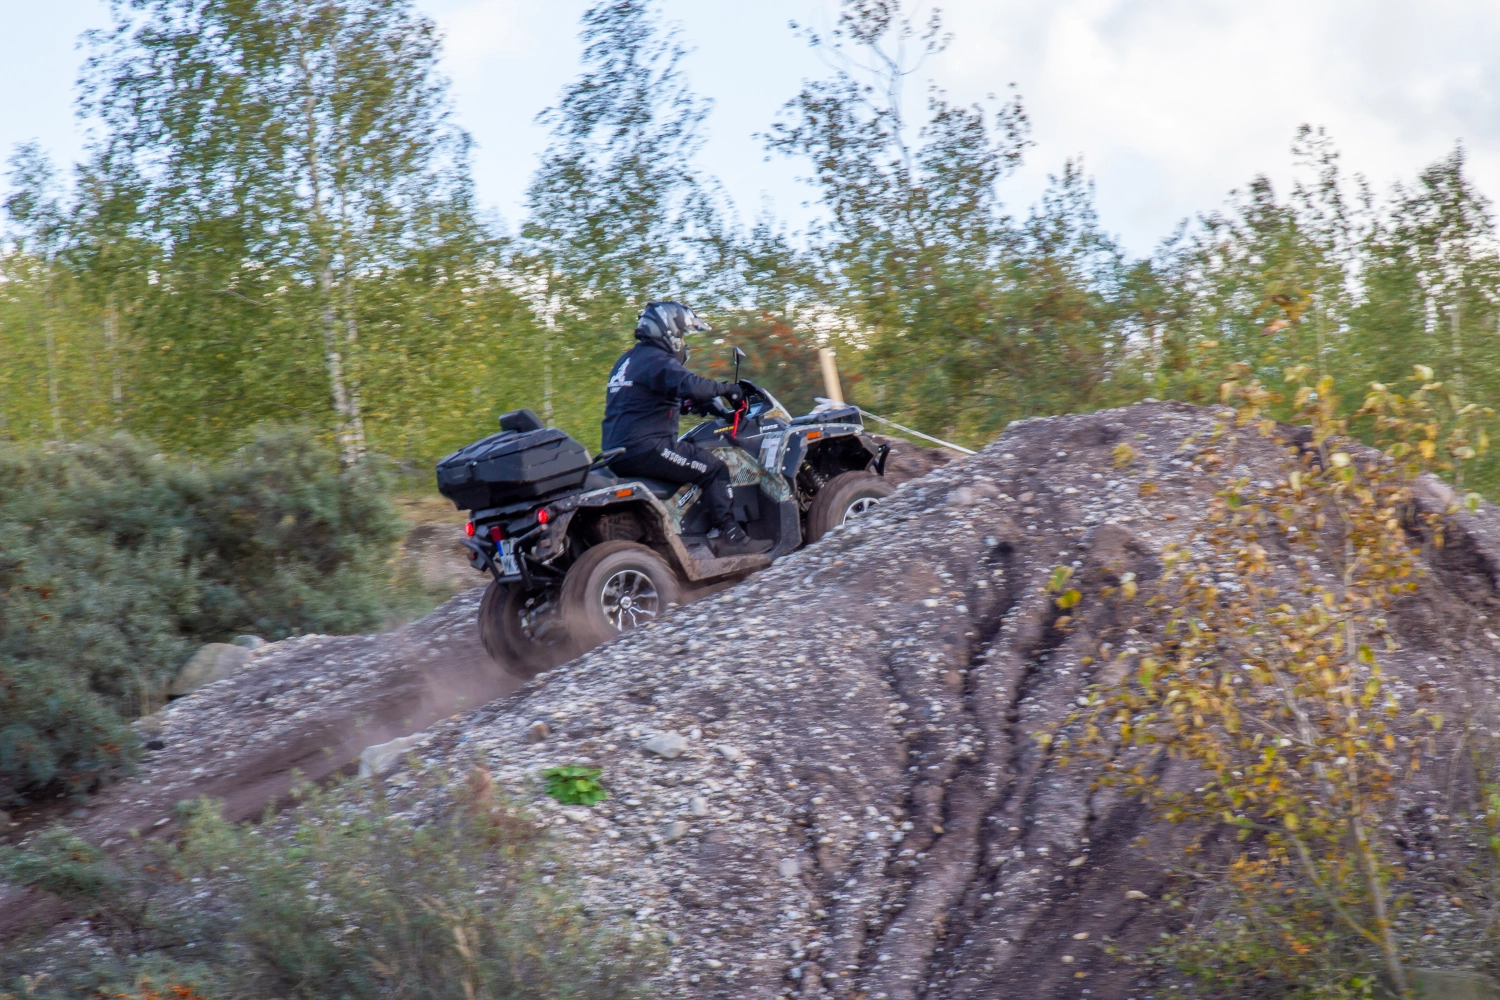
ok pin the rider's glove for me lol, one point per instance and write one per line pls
(734, 393)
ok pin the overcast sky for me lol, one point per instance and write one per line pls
(1171, 103)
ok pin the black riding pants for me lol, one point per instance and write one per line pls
(682, 462)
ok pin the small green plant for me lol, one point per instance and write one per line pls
(575, 786)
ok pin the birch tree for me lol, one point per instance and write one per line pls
(964, 317)
(279, 153)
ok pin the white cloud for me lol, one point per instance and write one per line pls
(1174, 103)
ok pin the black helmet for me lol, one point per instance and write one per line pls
(667, 325)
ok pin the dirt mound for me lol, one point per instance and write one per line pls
(858, 807)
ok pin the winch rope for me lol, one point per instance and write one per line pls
(907, 430)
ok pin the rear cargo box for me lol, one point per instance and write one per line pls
(511, 466)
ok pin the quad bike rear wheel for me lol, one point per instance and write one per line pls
(523, 630)
(615, 587)
(849, 494)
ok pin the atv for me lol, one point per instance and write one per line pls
(578, 555)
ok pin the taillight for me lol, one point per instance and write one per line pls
(496, 533)
(542, 517)
(469, 529)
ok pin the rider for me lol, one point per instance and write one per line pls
(649, 389)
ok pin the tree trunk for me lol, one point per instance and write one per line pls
(1370, 868)
(349, 445)
(548, 335)
(112, 348)
(356, 406)
(1458, 346)
(54, 388)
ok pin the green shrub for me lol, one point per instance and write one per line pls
(115, 563)
(345, 897)
(54, 732)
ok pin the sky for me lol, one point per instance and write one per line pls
(1170, 103)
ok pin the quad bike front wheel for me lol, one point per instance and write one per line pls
(523, 630)
(849, 494)
(613, 588)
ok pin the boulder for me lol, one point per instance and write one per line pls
(213, 662)
(668, 745)
(383, 757)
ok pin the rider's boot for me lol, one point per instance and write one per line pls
(732, 541)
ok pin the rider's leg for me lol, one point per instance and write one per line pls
(683, 462)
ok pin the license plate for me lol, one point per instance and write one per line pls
(508, 564)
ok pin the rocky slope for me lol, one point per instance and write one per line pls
(823, 780)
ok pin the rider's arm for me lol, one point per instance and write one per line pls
(673, 379)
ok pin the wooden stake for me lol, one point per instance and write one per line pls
(830, 375)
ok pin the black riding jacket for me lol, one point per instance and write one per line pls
(646, 390)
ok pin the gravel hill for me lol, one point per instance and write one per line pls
(824, 780)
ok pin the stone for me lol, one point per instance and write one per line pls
(578, 815)
(212, 662)
(731, 753)
(538, 731)
(248, 641)
(668, 745)
(963, 497)
(381, 758)
(698, 805)
(675, 830)
(788, 868)
(1136, 894)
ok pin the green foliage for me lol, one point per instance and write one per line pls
(55, 732)
(616, 214)
(344, 897)
(117, 563)
(125, 899)
(960, 317)
(575, 786)
(778, 358)
(275, 223)
(1356, 288)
